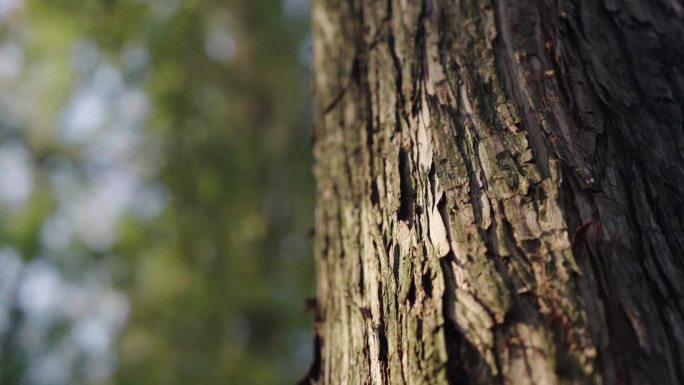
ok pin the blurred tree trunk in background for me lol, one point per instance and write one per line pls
(500, 191)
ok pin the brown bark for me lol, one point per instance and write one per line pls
(500, 191)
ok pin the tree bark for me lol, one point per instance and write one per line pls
(500, 191)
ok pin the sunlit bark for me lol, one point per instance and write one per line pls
(500, 191)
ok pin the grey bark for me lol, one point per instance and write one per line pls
(500, 191)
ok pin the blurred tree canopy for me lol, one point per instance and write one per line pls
(167, 151)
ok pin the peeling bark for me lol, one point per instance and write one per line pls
(500, 191)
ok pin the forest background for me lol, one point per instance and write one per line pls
(156, 194)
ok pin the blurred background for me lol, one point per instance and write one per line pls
(155, 192)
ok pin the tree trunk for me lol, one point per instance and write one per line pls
(500, 191)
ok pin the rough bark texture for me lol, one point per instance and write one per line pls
(500, 191)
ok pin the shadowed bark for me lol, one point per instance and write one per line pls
(500, 191)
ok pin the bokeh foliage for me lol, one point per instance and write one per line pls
(217, 280)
